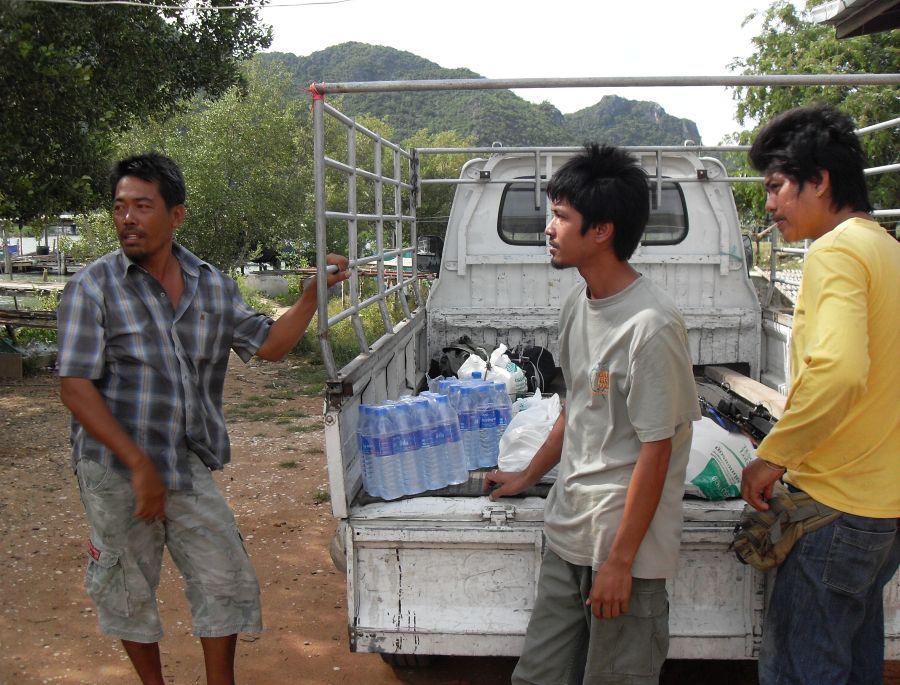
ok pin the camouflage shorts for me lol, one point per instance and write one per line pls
(125, 556)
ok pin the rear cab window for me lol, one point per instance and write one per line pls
(520, 223)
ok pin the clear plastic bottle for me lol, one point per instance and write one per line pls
(386, 443)
(504, 408)
(487, 424)
(467, 411)
(410, 441)
(455, 468)
(434, 441)
(427, 457)
(454, 393)
(364, 434)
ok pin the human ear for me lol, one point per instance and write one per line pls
(603, 232)
(822, 183)
(177, 214)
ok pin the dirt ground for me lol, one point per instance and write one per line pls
(277, 486)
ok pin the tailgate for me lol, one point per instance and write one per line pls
(437, 575)
(713, 597)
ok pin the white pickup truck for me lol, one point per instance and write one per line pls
(450, 572)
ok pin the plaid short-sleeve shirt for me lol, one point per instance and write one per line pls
(160, 370)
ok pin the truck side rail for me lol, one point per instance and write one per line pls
(400, 183)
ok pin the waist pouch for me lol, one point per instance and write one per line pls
(763, 539)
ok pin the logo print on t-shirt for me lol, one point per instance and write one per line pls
(600, 379)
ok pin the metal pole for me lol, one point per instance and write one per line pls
(730, 80)
(877, 127)
(321, 231)
(353, 239)
(413, 168)
(7, 258)
(379, 236)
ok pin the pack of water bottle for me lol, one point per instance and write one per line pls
(410, 445)
(484, 411)
(432, 440)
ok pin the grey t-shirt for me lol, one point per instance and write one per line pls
(629, 380)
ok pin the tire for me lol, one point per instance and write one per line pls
(337, 549)
(407, 660)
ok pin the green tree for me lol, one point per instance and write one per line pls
(790, 43)
(247, 160)
(97, 236)
(72, 75)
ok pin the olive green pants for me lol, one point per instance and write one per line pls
(566, 645)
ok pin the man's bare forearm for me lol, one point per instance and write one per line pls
(287, 330)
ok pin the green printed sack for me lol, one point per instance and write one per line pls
(716, 461)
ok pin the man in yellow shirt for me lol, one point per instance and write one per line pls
(839, 439)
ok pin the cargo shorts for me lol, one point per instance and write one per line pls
(125, 557)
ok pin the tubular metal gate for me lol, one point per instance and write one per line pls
(403, 178)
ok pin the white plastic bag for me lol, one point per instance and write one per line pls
(716, 461)
(526, 433)
(472, 364)
(503, 368)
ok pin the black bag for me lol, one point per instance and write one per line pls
(452, 357)
(537, 364)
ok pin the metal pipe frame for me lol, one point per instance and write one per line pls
(347, 121)
(380, 180)
(729, 80)
(321, 162)
(494, 150)
(352, 241)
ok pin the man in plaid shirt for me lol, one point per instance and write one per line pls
(144, 340)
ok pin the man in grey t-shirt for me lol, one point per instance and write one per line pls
(613, 518)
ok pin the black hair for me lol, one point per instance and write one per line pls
(152, 167)
(800, 142)
(606, 184)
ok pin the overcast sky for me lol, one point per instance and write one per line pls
(551, 38)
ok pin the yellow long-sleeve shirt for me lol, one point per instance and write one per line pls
(840, 435)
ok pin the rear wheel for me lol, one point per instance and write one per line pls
(407, 660)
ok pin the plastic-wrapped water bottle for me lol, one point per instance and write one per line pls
(454, 392)
(442, 386)
(410, 439)
(504, 407)
(455, 469)
(487, 424)
(427, 459)
(450, 388)
(387, 453)
(467, 410)
(366, 449)
(433, 441)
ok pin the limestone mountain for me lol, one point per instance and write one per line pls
(487, 115)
